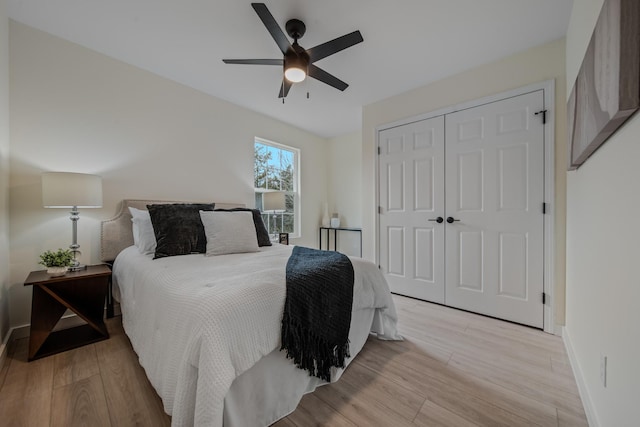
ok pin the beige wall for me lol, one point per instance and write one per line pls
(535, 65)
(603, 235)
(344, 183)
(344, 165)
(4, 172)
(73, 109)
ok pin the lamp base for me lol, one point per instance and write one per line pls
(77, 267)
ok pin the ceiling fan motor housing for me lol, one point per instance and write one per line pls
(296, 57)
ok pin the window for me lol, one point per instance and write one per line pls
(276, 169)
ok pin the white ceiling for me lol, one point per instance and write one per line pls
(407, 44)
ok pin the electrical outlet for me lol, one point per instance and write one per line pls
(603, 370)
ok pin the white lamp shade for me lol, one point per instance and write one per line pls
(66, 190)
(274, 201)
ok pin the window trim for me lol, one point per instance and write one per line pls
(297, 217)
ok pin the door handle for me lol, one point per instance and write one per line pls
(439, 220)
(450, 220)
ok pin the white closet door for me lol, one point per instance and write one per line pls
(494, 191)
(411, 174)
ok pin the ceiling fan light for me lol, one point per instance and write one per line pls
(295, 74)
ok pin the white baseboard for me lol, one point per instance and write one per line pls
(558, 330)
(589, 409)
(4, 348)
(19, 332)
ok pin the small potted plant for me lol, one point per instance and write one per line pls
(56, 262)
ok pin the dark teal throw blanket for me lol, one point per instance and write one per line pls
(317, 310)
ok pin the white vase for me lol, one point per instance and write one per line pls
(56, 271)
(326, 221)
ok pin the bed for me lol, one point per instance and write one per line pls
(206, 329)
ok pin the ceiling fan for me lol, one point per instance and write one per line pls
(297, 62)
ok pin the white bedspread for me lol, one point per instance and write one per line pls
(198, 322)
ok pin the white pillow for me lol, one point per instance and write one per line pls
(229, 232)
(142, 226)
(135, 229)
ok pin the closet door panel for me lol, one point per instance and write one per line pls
(411, 193)
(494, 188)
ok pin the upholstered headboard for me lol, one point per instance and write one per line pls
(116, 234)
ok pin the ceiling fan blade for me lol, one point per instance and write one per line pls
(254, 61)
(272, 26)
(284, 88)
(323, 50)
(324, 77)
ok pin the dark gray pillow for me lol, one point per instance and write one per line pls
(178, 228)
(261, 231)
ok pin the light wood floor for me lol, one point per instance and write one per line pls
(453, 369)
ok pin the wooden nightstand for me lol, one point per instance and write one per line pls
(83, 292)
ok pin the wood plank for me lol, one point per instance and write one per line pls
(312, 412)
(562, 368)
(402, 302)
(567, 419)
(424, 375)
(130, 397)
(284, 422)
(556, 395)
(75, 365)
(382, 391)
(432, 415)
(445, 316)
(26, 392)
(412, 343)
(352, 404)
(527, 339)
(427, 314)
(80, 403)
(464, 343)
(541, 374)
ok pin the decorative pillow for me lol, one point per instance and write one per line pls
(143, 236)
(261, 231)
(178, 228)
(229, 232)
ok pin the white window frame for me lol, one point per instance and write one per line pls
(296, 182)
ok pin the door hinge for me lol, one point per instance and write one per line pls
(544, 298)
(544, 116)
(379, 150)
(544, 208)
(379, 210)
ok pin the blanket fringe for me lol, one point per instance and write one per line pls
(309, 351)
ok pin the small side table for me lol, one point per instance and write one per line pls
(83, 292)
(335, 236)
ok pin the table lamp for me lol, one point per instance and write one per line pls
(72, 191)
(274, 201)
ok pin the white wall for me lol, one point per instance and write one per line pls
(73, 109)
(535, 65)
(603, 237)
(4, 172)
